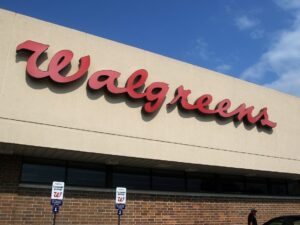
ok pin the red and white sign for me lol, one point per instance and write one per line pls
(121, 196)
(57, 190)
(153, 95)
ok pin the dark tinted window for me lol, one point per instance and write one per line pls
(94, 175)
(37, 173)
(86, 177)
(132, 178)
(278, 187)
(297, 221)
(201, 182)
(168, 180)
(276, 222)
(293, 188)
(194, 184)
(257, 186)
(232, 184)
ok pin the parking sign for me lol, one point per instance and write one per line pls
(57, 193)
(120, 196)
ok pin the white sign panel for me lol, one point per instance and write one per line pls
(120, 195)
(57, 190)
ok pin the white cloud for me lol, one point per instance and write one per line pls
(288, 4)
(244, 22)
(282, 59)
(288, 82)
(223, 68)
(200, 50)
(257, 33)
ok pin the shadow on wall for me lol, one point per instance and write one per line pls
(123, 98)
(46, 82)
(219, 120)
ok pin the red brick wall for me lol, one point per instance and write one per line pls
(19, 205)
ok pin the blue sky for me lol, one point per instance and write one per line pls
(254, 40)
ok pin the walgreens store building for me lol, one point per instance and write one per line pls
(192, 146)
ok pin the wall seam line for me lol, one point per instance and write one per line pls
(150, 139)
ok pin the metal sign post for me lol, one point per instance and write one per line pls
(120, 201)
(57, 195)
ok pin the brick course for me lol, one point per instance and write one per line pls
(21, 205)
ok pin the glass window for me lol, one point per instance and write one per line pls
(201, 182)
(232, 184)
(297, 222)
(278, 187)
(132, 178)
(277, 222)
(45, 171)
(168, 180)
(86, 177)
(288, 221)
(38, 173)
(257, 186)
(294, 188)
(194, 184)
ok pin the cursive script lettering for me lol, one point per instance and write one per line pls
(58, 62)
(154, 95)
(202, 105)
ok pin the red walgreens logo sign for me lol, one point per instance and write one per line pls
(153, 96)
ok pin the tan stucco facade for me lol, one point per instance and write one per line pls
(42, 113)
